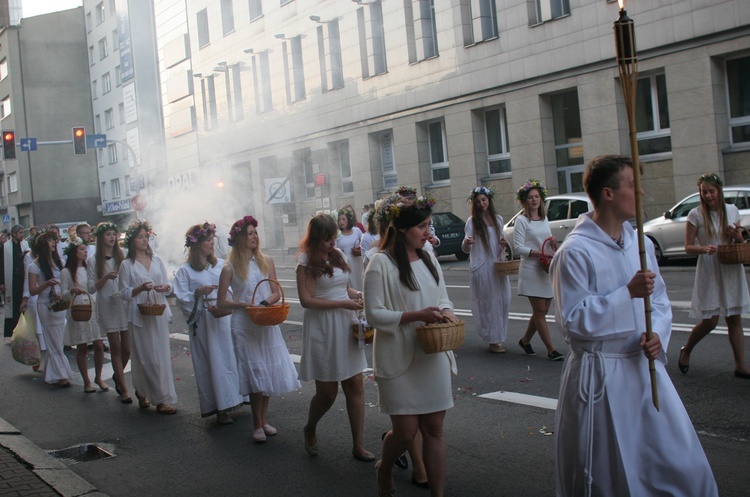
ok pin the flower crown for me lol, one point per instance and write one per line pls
(236, 230)
(199, 232)
(73, 246)
(395, 210)
(406, 191)
(102, 228)
(382, 207)
(711, 178)
(134, 226)
(532, 184)
(481, 190)
(44, 236)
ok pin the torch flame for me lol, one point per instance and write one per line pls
(621, 3)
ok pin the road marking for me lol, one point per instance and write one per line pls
(522, 398)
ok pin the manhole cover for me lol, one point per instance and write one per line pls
(83, 453)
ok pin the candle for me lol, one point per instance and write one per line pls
(624, 37)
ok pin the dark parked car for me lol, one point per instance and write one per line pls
(449, 228)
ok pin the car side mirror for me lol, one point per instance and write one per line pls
(668, 215)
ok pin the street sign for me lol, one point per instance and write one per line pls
(277, 191)
(28, 144)
(6, 218)
(96, 141)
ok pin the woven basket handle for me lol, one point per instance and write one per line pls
(281, 288)
(744, 230)
(73, 301)
(552, 244)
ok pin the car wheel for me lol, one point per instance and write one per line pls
(461, 255)
(660, 259)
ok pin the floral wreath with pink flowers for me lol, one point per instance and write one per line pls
(136, 225)
(532, 184)
(406, 191)
(199, 232)
(394, 210)
(238, 226)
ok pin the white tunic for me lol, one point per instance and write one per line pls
(610, 440)
(151, 358)
(110, 308)
(719, 289)
(533, 280)
(211, 346)
(346, 243)
(490, 290)
(78, 332)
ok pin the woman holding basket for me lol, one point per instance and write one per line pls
(531, 236)
(44, 281)
(211, 347)
(143, 280)
(264, 364)
(405, 288)
(720, 289)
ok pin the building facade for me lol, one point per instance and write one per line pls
(43, 94)
(302, 106)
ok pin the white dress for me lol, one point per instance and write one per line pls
(110, 307)
(609, 438)
(719, 289)
(56, 365)
(346, 243)
(490, 290)
(28, 259)
(424, 384)
(151, 359)
(329, 350)
(211, 346)
(263, 359)
(533, 280)
(78, 332)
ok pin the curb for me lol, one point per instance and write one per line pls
(45, 467)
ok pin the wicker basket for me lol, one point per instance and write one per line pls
(271, 315)
(440, 337)
(545, 261)
(368, 333)
(151, 308)
(81, 312)
(219, 313)
(508, 267)
(59, 305)
(735, 253)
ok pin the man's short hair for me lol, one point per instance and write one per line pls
(604, 172)
(81, 226)
(16, 228)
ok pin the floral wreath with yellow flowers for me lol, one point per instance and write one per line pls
(134, 226)
(102, 228)
(383, 205)
(236, 230)
(481, 190)
(532, 184)
(198, 232)
(394, 210)
(73, 246)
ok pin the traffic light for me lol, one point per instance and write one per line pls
(79, 140)
(9, 144)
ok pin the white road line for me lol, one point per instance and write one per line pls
(522, 398)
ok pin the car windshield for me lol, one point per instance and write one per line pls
(444, 219)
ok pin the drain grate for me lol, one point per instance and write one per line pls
(83, 453)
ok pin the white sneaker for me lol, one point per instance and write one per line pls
(259, 436)
(269, 430)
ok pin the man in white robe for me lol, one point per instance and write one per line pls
(12, 278)
(609, 438)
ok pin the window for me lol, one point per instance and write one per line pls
(496, 131)
(239, 113)
(652, 116)
(88, 22)
(115, 40)
(91, 55)
(115, 184)
(102, 48)
(99, 13)
(387, 161)
(438, 155)
(421, 30)
(372, 40)
(103, 188)
(212, 117)
(118, 76)
(479, 20)
(112, 152)
(94, 89)
(3, 68)
(302, 163)
(566, 121)
(106, 85)
(112, 7)
(5, 107)
(109, 118)
(294, 75)
(12, 183)
(738, 90)
(256, 9)
(340, 154)
(203, 38)
(227, 16)
(262, 83)
(121, 112)
(100, 157)
(97, 123)
(329, 55)
(547, 10)
(128, 186)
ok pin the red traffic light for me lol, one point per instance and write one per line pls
(79, 132)
(9, 144)
(9, 136)
(79, 140)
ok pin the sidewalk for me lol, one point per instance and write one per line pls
(26, 469)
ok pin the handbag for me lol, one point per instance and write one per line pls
(24, 345)
(545, 260)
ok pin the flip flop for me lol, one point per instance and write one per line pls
(165, 409)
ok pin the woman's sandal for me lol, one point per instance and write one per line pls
(383, 492)
(102, 385)
(143, 402)
(682, 367)
(165, 409)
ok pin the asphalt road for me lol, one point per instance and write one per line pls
(495, 448)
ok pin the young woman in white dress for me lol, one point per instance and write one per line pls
(143, 278)
(490, 290)
(329, 352)
(103, 282)
(80, 333)
(44, 281)
(350, 243)
(211, 347)
(532, 229)
(720, 289)
(263, 360)
(405, 288)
